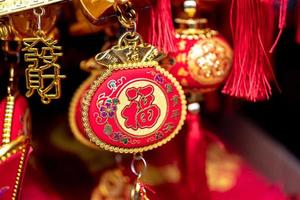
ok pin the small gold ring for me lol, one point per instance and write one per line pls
(40, 11)
(136, 158)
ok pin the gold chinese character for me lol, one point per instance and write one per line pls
(43, 71)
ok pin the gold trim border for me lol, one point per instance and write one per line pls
(73, 109)
(21, 171)
(94, 86)
(8, 119)
(8, 150)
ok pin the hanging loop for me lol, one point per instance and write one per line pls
(138, 158)
(130, 39)
(39, 13)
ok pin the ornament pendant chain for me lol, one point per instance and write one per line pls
(138, 191)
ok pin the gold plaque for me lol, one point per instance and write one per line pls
(13, 6)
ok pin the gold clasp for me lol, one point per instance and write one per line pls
(126, 15)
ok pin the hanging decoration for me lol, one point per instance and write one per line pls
(131, 106)
(14, 140)
(131, 103)
(135, 105)
(43, 72)
(203, 60)
(162, 28)
(14, 112)
(252, 70)
(201, 64)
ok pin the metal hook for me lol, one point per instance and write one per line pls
(39, 12)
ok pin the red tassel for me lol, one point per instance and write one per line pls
(251, 23)
(196, 159)
(281, 22)
(162, 28)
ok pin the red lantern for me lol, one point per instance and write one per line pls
(203, 60)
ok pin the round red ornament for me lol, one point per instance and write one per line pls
(203, 60)
(75, 112)
(135, 105)
(75, 121)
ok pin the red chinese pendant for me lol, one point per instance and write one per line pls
(203, 60)
(15, 147)
(135, 105)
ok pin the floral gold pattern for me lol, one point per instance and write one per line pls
(203, 60)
